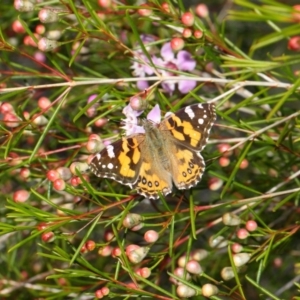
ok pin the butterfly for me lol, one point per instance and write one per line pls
(165, 153)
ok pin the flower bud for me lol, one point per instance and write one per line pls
(48, 237)
(251, 225)
(23, 5)
(184, 291)
(48, 16)
(217, 242)
(227, 273)
(21, 196)
(241, 259)
(188, 19)
(209, 290)
(181, 273)
(39, 120)
(231, 219)
(81, 167)
(151, 236)
(137, 255)
(194, 267)
(45, 44)
(198, 254)
(132, 220)
(64, 173)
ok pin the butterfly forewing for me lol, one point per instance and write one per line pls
(120, 160)
(191, 125)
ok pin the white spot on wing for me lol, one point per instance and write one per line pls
(200, 121)
(110, 151)
(190, 112)
(110, 166)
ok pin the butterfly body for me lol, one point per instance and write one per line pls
(167, 153)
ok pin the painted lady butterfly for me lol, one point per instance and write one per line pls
(165, 153)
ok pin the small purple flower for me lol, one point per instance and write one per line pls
(182, 62)
(155, 114)
(131, 122)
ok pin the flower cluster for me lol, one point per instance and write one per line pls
(168, 64)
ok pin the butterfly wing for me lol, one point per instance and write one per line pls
(191, 125)
(188, 130)
(120, 161)
(187, 166)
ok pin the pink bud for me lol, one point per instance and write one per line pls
(242, 233)
(194, 267)
(137, 103)
(18, 27)
(105, 251)
(187, 33)
(188, 19)
(202, 10)
(21, 196)
(44, 103)
(236, 247)
(48, 237)
(90, 245)
(145, 11)
(224, 161)
(151, 236)
(52, 175)
(177, 44)
(59, 184)
(251, 225)
(198, 34)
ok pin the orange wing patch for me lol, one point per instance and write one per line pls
(125, 161)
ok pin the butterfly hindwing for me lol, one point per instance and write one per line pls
(187, 167)
(151, 181)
